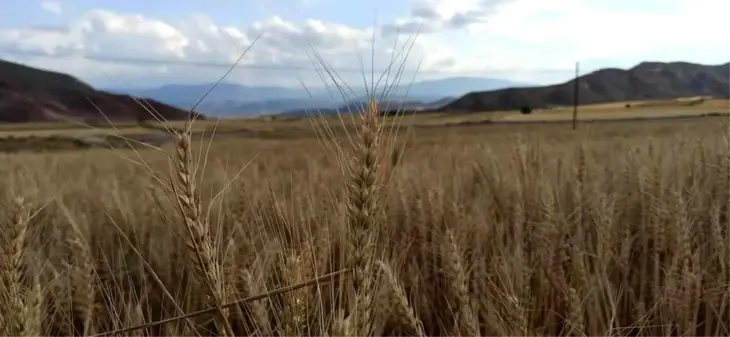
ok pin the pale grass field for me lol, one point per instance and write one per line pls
(128, 129)
(81, 130)
(72, 132)
(614, 230)
(51, 126)
(639, 109)
(609, 111)
(591, 115)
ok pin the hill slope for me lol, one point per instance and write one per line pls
(646, 81)
(34, 95)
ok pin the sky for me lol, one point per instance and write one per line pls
(135, 43)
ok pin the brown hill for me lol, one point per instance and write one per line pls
(34, 95)
(646, 81)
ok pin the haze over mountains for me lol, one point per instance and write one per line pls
(233, 99)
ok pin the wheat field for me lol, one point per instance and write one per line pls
(612, 230)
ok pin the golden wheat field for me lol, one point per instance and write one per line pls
(613, 230)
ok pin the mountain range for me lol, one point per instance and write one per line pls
(645, 81)
(388, 105)
(236, 100)
(30, 94)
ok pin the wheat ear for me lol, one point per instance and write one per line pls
(454, 270)
(199, 242)
(363, 215)
(398, 302)
(13, 321)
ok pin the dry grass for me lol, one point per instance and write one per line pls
(26, 130)
(638, 109)
(617, 230)
(588, 113)
(264, 126)
(71, 132)
(640, 113)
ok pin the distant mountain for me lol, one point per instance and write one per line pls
(645, 81)
(185, 96)
(265, 107)
(454, 86)
(30, 94)
(357, 105)
(234, 99)
(443, 102)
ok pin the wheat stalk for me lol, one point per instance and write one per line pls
(324, 278)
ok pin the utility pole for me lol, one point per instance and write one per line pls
(575, 95)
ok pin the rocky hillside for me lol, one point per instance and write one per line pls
(646, 81)
(34, 95)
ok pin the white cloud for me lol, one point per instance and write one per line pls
(574, 28)
(52, 6)
(284, 49)
(534, 37)
(431, 16)
(529, 40)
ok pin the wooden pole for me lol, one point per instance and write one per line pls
(575, 96)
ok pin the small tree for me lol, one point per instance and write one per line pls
(526, 110)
